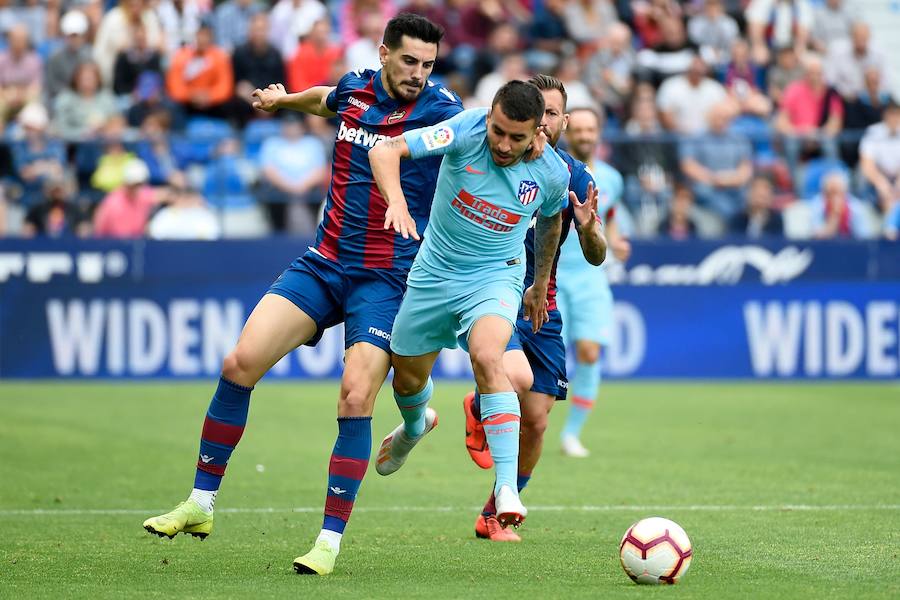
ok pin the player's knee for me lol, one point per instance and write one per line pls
(407, 384)
(239, 368)
(488, 365)
(534, 424)
(588, 353)
(521, 381)
(355, 401)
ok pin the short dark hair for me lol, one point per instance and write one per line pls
(520, 101)
(548, 82)
(411, 25)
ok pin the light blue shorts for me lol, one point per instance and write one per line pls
(438, 312)
(586, 304)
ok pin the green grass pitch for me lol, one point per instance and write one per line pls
(787, 491)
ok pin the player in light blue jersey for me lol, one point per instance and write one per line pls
(466, 282)
(584, 297)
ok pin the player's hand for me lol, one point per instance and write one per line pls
(535, 304)
(537, 146)
(585, 212)
(397, 217)
(267, 99)
(621, 249)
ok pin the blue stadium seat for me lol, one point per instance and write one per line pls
(256, 133)
(815, 170)
(201, 136)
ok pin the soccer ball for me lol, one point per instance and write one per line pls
(655, 551)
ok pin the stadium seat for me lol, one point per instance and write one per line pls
(201, 136)
(815, 170)
(256, 133)
(797, 218)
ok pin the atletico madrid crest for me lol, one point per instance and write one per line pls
(528, 191)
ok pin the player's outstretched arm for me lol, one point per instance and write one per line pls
(546, 241)
(311, 101)
(385, 159)
(593, 243)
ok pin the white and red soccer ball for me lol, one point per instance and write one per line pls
(655, 551)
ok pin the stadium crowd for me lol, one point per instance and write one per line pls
(132, 118)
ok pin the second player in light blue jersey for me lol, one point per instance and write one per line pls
(465, 285)
(584, 297)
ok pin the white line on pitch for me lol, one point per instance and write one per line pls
(62, 512)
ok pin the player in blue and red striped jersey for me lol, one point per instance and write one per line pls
(355, 274)
(535, 362)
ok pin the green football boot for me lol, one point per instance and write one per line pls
(187, 517)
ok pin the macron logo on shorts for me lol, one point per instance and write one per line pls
(382, 334)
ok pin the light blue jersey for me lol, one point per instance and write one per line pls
(472, 260)
(481, 212)
(583, 295)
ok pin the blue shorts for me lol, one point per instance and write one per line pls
(546, 354)
(365, 300)
(438, 312)
(586, 304)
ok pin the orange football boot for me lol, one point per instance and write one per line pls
(476, 441)
(488, 528)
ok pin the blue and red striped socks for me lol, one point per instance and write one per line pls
(349, 461)
(222, 430)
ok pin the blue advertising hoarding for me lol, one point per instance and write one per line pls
(99, 309)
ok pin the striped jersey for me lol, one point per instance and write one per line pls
(352, 230)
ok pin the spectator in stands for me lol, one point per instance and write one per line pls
(588, 21)
(744, 79)
(200, 78)
(479, 19)
(61, 64)
(131, 62)
(153, 148)
(37, 158)
(291, 20)
(650, 16)
(149, 97)
(227, 186)
(879, 157)
(313, 62)
(548, 31)
(179, 21)
(837, 214)
(511, 67)
(34, 16)
(718, 164)
(81, 110)
(832, 22)
(892, 223)
(110, 172)
(21, 74)
(685, 100)
(646, 158)
(124, 212)
(609, 71)
(362, 54)
(56, 215)
(353, 11)
(848, 61)
(810, 117)
(184, 215)
(758, 219)
(679, 223)
(786, 70)
(578, 94)
(293, 169)
(232, 22)
(870, 103)
(117, 30)
(672, 56)
(256, 64)
(503, 41)
(777, 24)
(714, 32)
